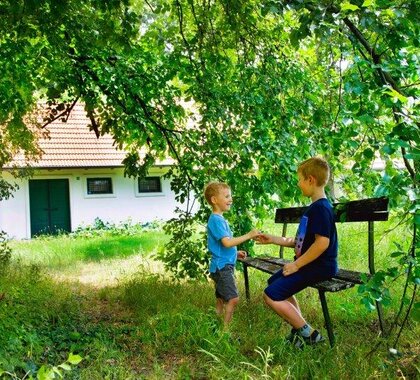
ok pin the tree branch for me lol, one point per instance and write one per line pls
(164, 131)
(66, 113)
(383, 75)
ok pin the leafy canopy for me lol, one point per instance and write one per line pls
(239, 91)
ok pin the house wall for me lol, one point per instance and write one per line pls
(125, 202)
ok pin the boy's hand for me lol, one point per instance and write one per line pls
(264, 238)
(241, 254)
(290, 268)
(253, 234)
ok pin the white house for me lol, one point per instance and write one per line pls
(80, 178)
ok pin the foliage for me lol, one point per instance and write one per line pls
(47, 372)
(5, 252)
(236, 91)
(378, 288)
(188, 258)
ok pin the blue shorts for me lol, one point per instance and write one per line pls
(224, 280)
(282, 287)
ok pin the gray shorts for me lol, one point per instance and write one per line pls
(225, 283)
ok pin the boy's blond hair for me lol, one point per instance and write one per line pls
(317, 167)
(212, 189)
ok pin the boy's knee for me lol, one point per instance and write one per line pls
(234, 301)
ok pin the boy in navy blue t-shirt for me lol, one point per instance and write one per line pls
(222, 246)
(315, 247)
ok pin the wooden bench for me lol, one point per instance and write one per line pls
(366, 210)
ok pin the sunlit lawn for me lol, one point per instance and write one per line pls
(105, 298)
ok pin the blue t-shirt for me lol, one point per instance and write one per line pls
(217, 229)
(318, 219)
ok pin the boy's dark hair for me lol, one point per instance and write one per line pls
(212, 189)
(317, 167)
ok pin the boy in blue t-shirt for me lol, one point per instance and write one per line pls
(315, 247)
(222, 246)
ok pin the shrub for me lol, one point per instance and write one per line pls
(5, 251)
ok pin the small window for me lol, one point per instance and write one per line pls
(150, 185)
(99, 186)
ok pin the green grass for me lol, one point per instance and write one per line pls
(141, 324)
(66, 250)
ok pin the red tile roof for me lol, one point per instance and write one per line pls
(71, 144)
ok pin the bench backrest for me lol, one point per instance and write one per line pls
(365, 210)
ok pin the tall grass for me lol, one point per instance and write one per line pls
(145, 325)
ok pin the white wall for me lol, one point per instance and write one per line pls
(124, 203)
(14, 212)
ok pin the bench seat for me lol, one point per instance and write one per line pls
(345, 279)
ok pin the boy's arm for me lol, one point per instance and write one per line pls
(314, 251)
(278, 240)
(234, 241)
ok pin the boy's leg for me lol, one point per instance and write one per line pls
(275, 276)
(279, 295)
(220, 303)
(226, 293)
(291, 314)
(293, 332)
(229, 308)
(295, 303)
(219, 306)
(287, 310)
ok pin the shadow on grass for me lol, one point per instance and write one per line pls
(152, 327)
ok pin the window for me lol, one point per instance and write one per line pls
(99, 186)
(150, 185)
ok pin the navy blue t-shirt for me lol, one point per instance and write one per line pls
(318, 219)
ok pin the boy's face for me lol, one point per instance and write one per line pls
(222, 200)
(306, 184)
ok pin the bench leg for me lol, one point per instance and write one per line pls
(326, 317)
(246, 279)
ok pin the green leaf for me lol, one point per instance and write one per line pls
(74, 359)
(65, 366)
(396, 96)
(57, 371)
(346, 6)
(45, 373)
(368, 153)
(397, 254)
(392, 272)
(364, 278)
(388, 149)
(368, 3)
(368, 304)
